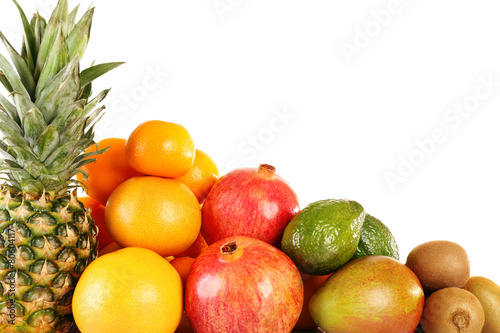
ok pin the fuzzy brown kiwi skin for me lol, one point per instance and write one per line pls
(439, 264)
(488, 293)
(452, 310)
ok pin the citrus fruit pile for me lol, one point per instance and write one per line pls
(184, 250)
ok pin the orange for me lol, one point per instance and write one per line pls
(132, 290)
(311, 284)
(156, 213)
(108, 171)
(195, 249)
(202, 176)
(109, 248)
(159, 148)
(97, 214)
(182, 265)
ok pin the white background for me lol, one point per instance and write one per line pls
(226, 69)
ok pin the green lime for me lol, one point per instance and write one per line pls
(324, 235)
(376, 239)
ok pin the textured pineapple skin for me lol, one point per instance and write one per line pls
(45, 244)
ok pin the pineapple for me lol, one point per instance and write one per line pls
(47, 238)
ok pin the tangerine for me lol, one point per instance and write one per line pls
(202, 175)
(110, 169)
(156, 213)
(311, 284)
(183, 265)
(159, 148)
(109, 248)
(195, 249)
(98, 212)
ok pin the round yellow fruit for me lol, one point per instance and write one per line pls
(132, 290)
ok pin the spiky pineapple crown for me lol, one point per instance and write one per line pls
(50, 122)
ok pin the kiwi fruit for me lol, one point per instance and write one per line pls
(488, 293)
(439, 264)
(451, 310)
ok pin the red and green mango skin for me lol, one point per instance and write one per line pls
(375, 294)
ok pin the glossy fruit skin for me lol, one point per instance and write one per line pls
(311, 284)
(332, 225)
(376, 239)
(202, 175)
(160, 148)
(249, 202)
(109, 248)
(98, 213)
(375, 294)
(241, 284)
(156, 213)
(182, 265)
(132, 290)
(195, 249)
(108, 171)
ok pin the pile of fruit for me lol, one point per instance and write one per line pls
(164, 244)
(249, 260)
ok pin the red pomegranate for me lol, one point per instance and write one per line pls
(241, 284)
(249, 202)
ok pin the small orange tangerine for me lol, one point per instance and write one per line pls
(183, 265)
(98, 212)
(110, 169)
(202, 176)
(110, 248)
(156, 213)
(159, 148)
(195, 249)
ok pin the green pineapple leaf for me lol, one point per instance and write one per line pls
(11, 77)
(57, 60)
(8, 154)
(5, 118)
(90, 74)
(85, 177)
(13, 136)
(5, 82)
(62, 150)
(74, 130)
(82, 163)
(33, 126)
(62, 163)
(86, 156)
(29, 162)
(23, 156)
(28, 35)
(23, 104)
(72, 113)
(9, 108)
(22, 68)
(63, 95)
(79, 37)
(95, 115)
(70, 23)
(98, 99)
(86, 92)
(47, 143)
(51, 32)
(38, 24)
(71, 69)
